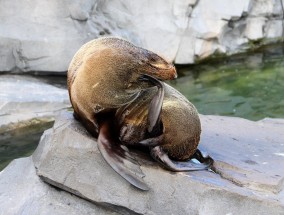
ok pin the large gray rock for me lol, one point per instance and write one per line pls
(23, 193)
(27, 101)
(44, 35)
(249, 165)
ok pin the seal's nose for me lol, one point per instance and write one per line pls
(174, 72)
(163, 69)
(169, 73)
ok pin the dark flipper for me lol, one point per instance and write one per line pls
(140, 121)
(155, 107)
(119, 158)
(202, 157)
(159, 155)
(153, 141)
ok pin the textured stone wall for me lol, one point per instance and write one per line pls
(44, 35)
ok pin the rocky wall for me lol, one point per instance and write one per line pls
(44, 35)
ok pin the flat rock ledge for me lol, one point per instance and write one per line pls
(27, 101)
(249, 178)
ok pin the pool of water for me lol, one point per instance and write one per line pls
(21, 143)
(250, 86)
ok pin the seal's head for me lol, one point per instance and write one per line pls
(155, 66)
(106, 73)
(139, 59)
(119, 58)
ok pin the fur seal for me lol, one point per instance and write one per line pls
(103, 75)
(116, 93)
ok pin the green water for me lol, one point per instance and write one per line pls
(248, 87)
(20, 143)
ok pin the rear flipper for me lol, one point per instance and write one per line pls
(159, 155)
(118, 157)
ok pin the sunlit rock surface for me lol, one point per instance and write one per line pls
(44, 35)
(249, 162)
(27, 101)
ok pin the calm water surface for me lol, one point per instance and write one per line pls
(21, 143)
(249, 86)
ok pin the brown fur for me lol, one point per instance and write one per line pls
(103, 75)
(182, 126)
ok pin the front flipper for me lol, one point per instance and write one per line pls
(202, 157)
(153, 141)
(119, 158)
(159, 155)
(155, 107)
(139, 122)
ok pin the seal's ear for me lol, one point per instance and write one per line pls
(119, 158)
